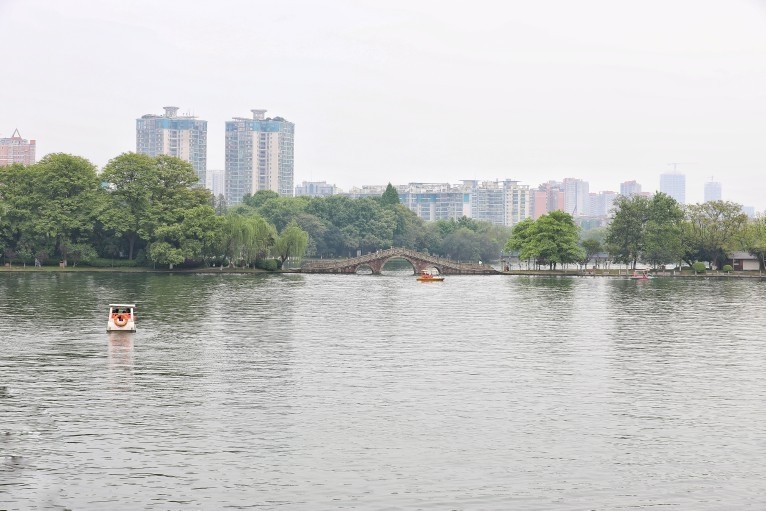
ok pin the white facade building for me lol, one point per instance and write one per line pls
(182, 136)
(674, 184)
(259, 156)
(712, 191)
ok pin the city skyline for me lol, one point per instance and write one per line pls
(599, 91)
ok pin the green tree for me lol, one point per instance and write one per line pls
(662, 231)
(462, 245)
(625, 234)
(551, 239)
(130, 177)
(291, 242)
(711, 230)
(246, 238)
(390, 197)
(173, 193)
(520, 240)
(260, 198)
(555, 239)
(66, 198)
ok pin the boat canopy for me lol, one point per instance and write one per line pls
(133, 305)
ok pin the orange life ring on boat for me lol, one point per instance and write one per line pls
(121, 320)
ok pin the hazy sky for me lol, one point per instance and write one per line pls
(401, 91)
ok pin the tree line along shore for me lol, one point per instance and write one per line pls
(142, 212)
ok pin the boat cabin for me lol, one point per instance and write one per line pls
(122, 317)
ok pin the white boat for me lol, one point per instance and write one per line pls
(122, 317)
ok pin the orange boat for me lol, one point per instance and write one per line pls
(427, 276)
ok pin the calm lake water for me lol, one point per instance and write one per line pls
(315, 392)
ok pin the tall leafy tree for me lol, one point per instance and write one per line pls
(712, 230)
(552, 239)
(130, 178)
(67, 199)
(625, 234)
(662, 231)
(555, 238)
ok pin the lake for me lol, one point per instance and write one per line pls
(315, 392)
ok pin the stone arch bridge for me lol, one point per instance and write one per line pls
(375, 261)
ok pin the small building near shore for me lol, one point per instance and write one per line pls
(744, 261)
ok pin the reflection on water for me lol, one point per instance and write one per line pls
(375, 392)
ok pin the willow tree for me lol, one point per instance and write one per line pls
(291, 242)
(245, 239)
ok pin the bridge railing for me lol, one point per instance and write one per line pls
(401, 252)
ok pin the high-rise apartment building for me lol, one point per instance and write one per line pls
(548, 197)
(601, 203)
(259, 156)
(500, 202)
(16, 150)
(712, 191)
(518, 202)
(576, 197)
(214, 181)
(487, 201)
(435, 201)
(674, 184)
(182, 136)
(630, 188)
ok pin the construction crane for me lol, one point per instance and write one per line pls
(677, 163)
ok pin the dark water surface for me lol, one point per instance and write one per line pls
(358, 392)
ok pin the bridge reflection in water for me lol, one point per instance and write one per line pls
(377, 260)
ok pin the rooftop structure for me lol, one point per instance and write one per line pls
(16, 150)
(259, 156)
(182, 136)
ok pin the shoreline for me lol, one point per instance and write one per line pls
(235, 271)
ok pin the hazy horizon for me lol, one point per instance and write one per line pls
(411, 92)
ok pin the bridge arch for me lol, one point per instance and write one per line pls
(377, 260)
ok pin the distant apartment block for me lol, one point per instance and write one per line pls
(315, 189)
(713, 191)
(259, 156)
(518, 202)
(487, 201)
(214, 182)
(601, 203)
(548, 197)
(674, 184)
(504, 203)
(366, 191)
(435, 201)
(16, 150)
(630, 188)
(182, 136)
(576, 197)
